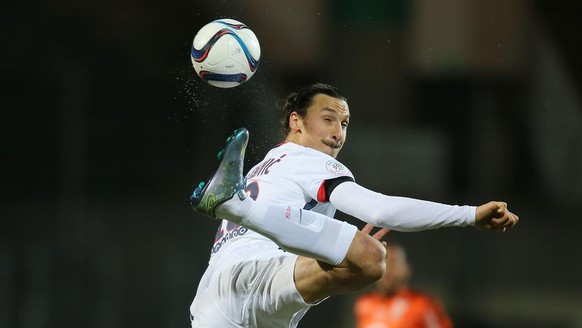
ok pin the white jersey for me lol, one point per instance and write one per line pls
(291, 175)
(244, 262)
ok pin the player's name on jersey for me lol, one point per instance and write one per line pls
(264, 167)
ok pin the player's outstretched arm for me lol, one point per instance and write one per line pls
(494, 216)
(408, 214)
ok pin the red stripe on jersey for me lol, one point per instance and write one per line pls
(321, 194)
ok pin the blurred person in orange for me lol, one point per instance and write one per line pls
(394, 304)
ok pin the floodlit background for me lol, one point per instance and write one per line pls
(106, 130)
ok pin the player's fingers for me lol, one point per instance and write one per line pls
(500, 222)
(381, 233)
(367, 228)
(501, 208)
(513, 219)
(508, 220)
(503, 216)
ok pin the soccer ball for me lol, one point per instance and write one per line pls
(225, 53)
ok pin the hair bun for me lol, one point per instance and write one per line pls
(291, 99)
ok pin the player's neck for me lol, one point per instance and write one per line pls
(293, 139)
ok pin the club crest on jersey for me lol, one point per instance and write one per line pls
(336, 167)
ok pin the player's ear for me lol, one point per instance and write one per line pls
(294, 121)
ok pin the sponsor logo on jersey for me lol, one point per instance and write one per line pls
(336, 167)
(236, 232)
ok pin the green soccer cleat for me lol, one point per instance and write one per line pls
(227, 180)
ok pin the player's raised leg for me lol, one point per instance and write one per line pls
(364, 263)
(301, 232)
(228, 178)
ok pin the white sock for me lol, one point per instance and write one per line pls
(295, 230)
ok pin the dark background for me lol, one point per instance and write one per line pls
(106, 130)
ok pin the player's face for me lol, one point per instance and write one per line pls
(325, 125)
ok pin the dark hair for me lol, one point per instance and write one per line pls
(301, 100)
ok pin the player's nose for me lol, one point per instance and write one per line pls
(338, 135)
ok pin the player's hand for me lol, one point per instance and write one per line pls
(378, 235)
(494, 216)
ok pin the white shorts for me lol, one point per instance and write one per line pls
(253, 293)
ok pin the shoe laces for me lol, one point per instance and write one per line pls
(240, 189)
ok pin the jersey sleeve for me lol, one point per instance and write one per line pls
(318, 174)
(327, 186)
(399, 213)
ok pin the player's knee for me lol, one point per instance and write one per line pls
(375, 261)
(368, 266)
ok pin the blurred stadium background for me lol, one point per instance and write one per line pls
(107, 130)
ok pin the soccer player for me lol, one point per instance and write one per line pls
(279, 250)
(394, 304)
